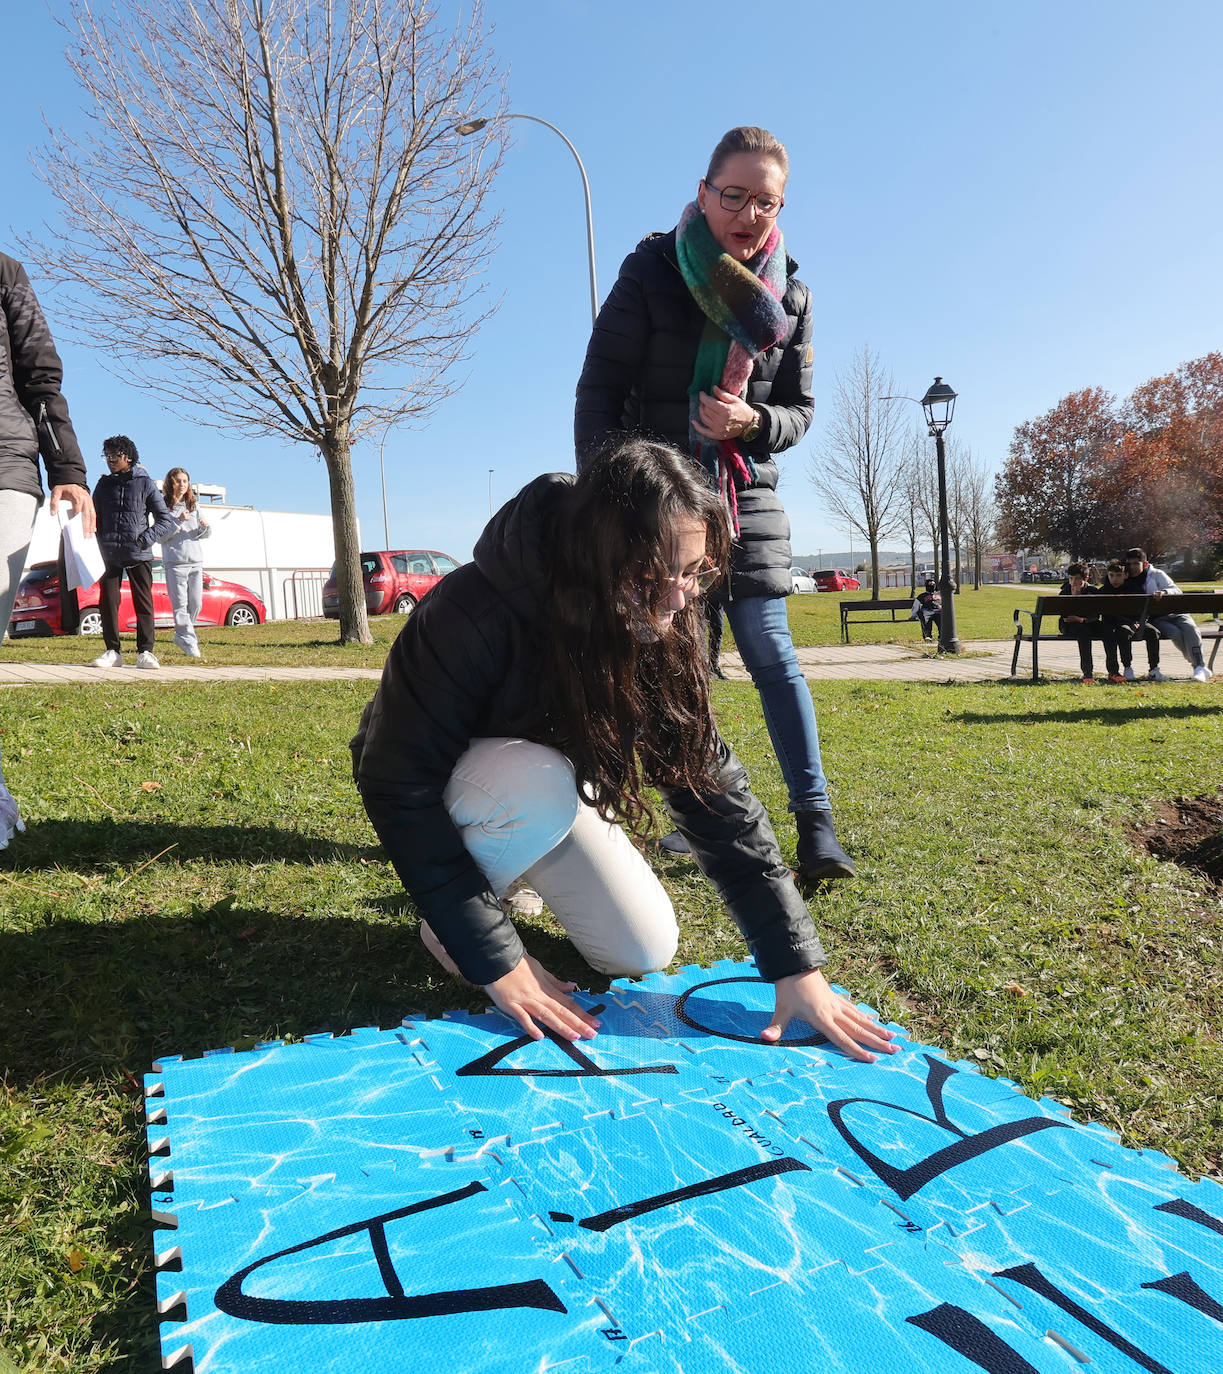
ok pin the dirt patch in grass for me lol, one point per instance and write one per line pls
(1187, 831)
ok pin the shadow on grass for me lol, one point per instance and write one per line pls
(1105, 715)
(75, 844)
(93, 1005)
(90, 999)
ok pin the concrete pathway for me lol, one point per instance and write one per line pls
(984, 660)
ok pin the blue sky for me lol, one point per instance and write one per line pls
(1026, 199)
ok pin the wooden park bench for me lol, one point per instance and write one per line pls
(862, 612)
(1132, 608)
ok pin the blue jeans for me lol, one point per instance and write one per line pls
(762, 635)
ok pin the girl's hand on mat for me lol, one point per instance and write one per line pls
(808, 996)
(529, 993)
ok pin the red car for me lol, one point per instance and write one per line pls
(395, 580)
(835, 580)
(36, 610)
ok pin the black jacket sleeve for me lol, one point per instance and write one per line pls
(37, 377)
(615, 356)
(164, 524)
(437, 679)
(786, 416)
(734, 845)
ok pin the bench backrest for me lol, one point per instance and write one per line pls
(1130, 607)
(894, 603)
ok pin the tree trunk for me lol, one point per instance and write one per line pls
(354, 623)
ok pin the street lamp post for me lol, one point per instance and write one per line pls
(490, 492)
(386, 519)
(472, 126)
(939, 405)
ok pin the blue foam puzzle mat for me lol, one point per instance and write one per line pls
(674, 1195)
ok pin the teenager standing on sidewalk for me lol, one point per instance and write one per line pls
(705, 340)
(125, 500)
(184, 559)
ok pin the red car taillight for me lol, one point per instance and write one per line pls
(378, 579)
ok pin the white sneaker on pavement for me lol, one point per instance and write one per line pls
(112, 658)
(1202, 673)
(1130, 675)
(1156, 676)
(144, 659)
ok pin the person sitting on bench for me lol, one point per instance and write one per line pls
(1127, 630)
(1182, 630)
(1088, 626)
(928, 608)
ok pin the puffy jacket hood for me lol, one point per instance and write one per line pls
(515, 551)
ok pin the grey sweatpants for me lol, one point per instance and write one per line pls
(17, 512)
(185, 586)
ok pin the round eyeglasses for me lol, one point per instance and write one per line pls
(736, 198)
(692, 584)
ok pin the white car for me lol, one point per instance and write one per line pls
(801, 581)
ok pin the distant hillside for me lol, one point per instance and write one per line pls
(842, 560)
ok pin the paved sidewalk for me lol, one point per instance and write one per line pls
(984, 660)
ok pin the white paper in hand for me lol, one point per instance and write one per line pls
(83, 561)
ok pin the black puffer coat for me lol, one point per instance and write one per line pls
(124, 501)
(636, 376)
(33, 413)
(467, 665)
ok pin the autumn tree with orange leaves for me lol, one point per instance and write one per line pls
(1090, 476)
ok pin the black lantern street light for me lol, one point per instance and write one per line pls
(939, 405)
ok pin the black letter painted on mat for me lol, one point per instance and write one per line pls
(397, 1305)
(1178, 1207)
(485, 1065)
(970, 1337)
(1189, 1291)
(1031, 1277)
(908, 1181)
(736, 1179)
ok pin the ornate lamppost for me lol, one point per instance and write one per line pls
(939, 405)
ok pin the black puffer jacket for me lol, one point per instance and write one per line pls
(33, 412)
(639, 364)
(467, 665)
(124, 501)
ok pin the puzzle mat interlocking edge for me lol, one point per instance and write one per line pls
(671, 1196)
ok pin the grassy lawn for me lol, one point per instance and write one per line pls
(198, 872)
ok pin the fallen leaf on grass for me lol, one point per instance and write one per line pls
(150, 787)
(1015, 989)
(76, 1260)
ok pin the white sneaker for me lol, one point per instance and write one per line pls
(1202, 673)
(1130, 675)
(112, 658)
(1156, 676)
(521, 900)
(144, 659)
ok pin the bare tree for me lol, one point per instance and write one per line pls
(980, 512)
(272, 223)
(913, 483)
(857, 468)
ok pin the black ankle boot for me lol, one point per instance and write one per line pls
(820, 857)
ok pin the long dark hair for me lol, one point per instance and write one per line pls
(631, 706)
(167, 488)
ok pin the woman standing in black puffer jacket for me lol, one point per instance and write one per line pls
(705, 341)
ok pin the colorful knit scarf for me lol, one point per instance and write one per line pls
(743, 317)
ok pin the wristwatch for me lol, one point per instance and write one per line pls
(753, 428)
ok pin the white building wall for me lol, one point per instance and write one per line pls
(281, 555)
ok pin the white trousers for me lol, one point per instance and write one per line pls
(17, 512)
(185, 587)
(517, 808)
